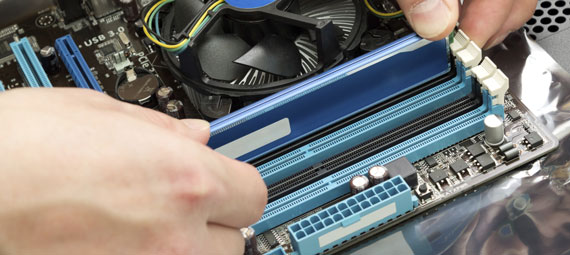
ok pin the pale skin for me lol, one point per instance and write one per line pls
(82, 173)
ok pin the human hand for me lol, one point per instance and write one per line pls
(486, 22)
(82, 173)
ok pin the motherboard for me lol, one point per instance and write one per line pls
(354, 122)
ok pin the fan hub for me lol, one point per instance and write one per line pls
(249, 4)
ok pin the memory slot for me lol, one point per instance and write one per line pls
(336, 185)
(30, 66)
(75, 64)
(367, 128)
(371, 147)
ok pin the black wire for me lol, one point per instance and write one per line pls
(143, 14)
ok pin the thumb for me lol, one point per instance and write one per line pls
(431, 19)
(200, 129)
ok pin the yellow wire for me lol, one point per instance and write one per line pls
(180, 44)
(381, 14)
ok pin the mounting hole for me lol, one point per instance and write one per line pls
(560, 3)
(545, 4)
(545, 21)
(531, 21)
(538, 29)
(538, 13)
(553, 12)
(560, 20)
(553, 28)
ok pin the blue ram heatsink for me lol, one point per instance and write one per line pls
(352, 217)
(2, 87)
(75, 63)
(30, 66)
(418, 147)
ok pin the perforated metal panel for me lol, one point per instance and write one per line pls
(550, 17)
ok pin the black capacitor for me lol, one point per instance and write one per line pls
(49, 60)
(358, 184)
(163, 96)
(175, 108)
(130, 10)
(512, 154)
(378, 174)
(250, 241)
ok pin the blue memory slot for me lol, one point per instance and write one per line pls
(334, 186)
(2, 87)
(366, 129)
(322, 100)
(352, 216)
(30, 65)
(75, 63)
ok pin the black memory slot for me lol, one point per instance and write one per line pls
(372, 146)
(358, 116)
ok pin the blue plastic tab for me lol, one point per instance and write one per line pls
(75, 63)
(2, 87)
(30, 65)
(351, 217)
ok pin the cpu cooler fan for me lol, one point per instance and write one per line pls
(253, 48)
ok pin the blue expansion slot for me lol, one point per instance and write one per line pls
(320, 101)
(423, 145)
(75, 63)
(30, 65)
(2, 87)
(353, 216)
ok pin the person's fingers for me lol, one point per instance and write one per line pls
(482, 19)
(521, 12)
(243, 194)
(431, 19)
(223, 240)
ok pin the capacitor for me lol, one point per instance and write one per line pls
(494, 130)
(250, 241)
(358, 183)
(512, 154)
(130, 10)
(163, 95)
(378, 174)
(175, 108)
(49, 60)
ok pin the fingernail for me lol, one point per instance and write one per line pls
(430, 18)
(196, 124)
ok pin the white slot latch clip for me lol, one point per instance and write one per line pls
(466, 50)
(492, 79)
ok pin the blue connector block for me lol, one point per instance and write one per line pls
(336, 185)
(2, 87)
(353, 216)
(75, 63)
(277, 251)
(30, 65)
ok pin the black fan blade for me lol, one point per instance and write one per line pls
(185, 11)
(275, 55)
(217, 52)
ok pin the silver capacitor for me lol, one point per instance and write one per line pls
(175, 108)
(494, 130)
(358, 184)
(378, 174)
(163, 95)
(250, 241)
